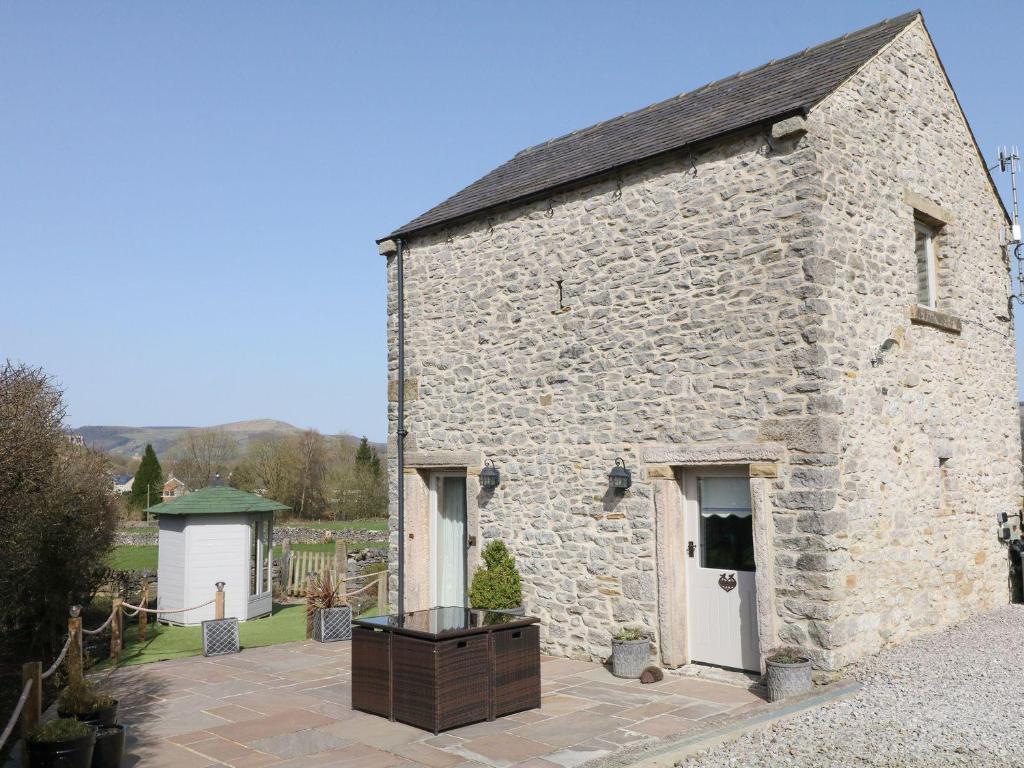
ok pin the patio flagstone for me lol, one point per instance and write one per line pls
(290, 705)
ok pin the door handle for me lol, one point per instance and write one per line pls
(690, 547)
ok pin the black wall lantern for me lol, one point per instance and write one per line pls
(620, 478)
(490, 478)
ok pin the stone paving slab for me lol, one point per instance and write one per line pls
(289, 705)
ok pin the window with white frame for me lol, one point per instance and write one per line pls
(927, 267)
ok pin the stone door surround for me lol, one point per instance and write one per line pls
(419, 465)
(665, 467)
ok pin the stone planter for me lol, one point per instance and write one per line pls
(785, 680)
(630, 657)
(332, 624)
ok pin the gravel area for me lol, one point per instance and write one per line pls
(952, 698)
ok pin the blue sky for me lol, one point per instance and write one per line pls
(189, 192)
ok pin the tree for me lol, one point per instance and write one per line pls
(367, 458)
(292, 470)
(149, 481)
(203, 454)
(312, 474)
(57, 513)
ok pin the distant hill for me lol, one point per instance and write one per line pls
(130, 442)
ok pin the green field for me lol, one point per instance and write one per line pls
(134, 558)
(369, 524)
(144, 558)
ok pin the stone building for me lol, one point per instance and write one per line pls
(782, 301)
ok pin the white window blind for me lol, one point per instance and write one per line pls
(924, 249)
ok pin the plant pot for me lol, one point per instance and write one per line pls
(109, 747)
(332, 624)
(76, 753)
(220, 636)
(101, 718)
(630, 657)
(785, 680)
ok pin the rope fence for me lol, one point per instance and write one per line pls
(102, 626)
(28, 709)
(139, 608)
(60, 658)
(16, 715)
(363, 588)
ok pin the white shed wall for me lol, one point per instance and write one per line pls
(170, 572)
(217, 549)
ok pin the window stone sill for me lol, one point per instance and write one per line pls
(943, 321)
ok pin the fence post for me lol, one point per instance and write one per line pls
(340, 558)
(143, 616)
(32, 670)
(382, 593)
(218, 605)
(286, 562)
(74, 657)
(116, 628)
(309, 613)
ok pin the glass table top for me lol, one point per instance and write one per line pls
(445, 620)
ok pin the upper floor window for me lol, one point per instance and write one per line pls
(927, 265)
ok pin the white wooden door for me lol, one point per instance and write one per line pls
(448, 539)
(721, 595)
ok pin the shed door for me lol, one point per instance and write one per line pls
(721, 596)
(448, 565)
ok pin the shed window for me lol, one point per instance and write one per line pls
(924, 249)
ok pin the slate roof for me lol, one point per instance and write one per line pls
(216, 500)
(777, 89)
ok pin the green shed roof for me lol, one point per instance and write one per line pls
(216, 500)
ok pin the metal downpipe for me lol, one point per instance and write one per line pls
(401, 426)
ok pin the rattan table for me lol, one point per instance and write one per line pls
(445, 667)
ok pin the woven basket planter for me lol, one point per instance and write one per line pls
(785, 680)
(630, 657)
(332, 624)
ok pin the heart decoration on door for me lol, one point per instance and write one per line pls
(727, 581)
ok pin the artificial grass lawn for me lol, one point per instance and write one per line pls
(287, 624)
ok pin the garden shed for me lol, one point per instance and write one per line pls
(216, 534)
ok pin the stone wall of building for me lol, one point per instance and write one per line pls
(686, 316)
(929, 432)
(736, 297)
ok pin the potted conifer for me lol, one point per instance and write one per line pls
(631, 649)
(497, 585)
(788, 673)
(65, 743)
